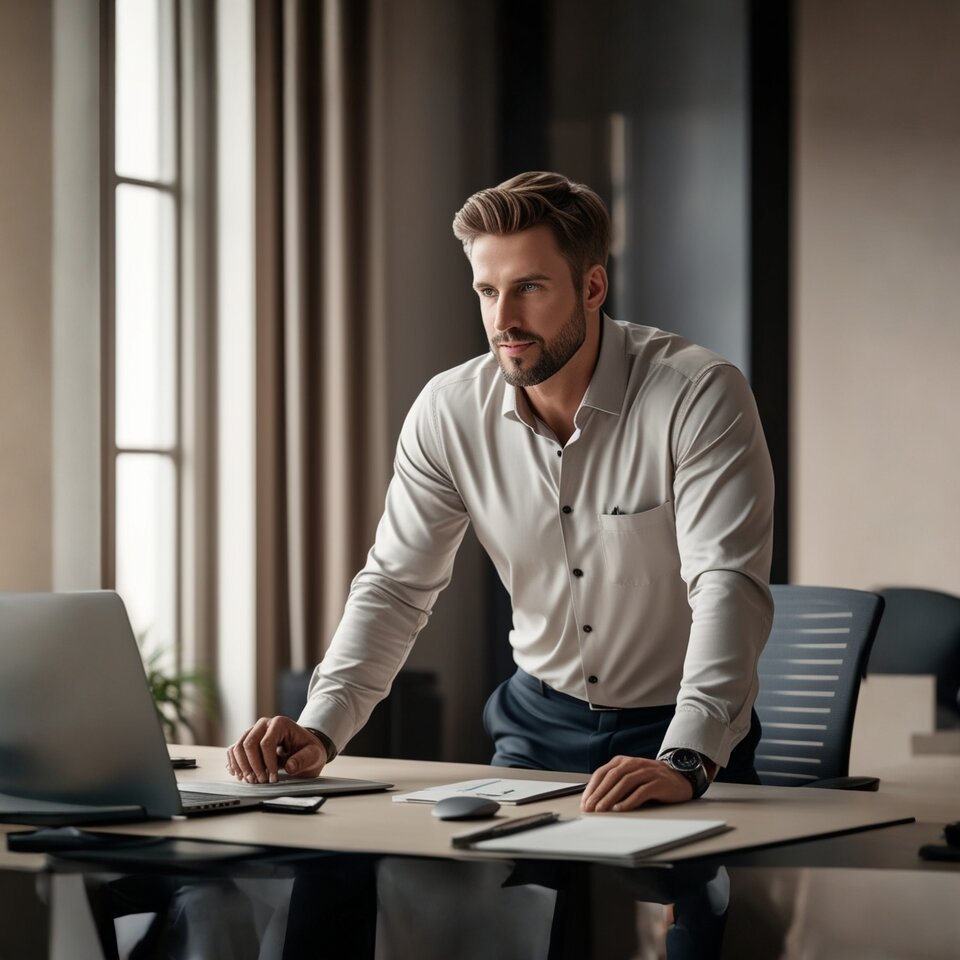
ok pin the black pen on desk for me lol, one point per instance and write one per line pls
(514, 825)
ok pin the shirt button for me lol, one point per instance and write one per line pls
(568, 509)
(559, 453)
(577, 572)
(587, 628)
(592, 680)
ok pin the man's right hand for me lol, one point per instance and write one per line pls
(272, 743)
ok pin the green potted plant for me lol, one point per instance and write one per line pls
(179, 696)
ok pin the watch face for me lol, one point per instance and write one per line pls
(685, 760)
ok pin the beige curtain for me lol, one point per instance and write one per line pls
(321, 445)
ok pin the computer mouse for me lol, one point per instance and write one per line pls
(464, 808)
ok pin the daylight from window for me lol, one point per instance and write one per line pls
(145, 321)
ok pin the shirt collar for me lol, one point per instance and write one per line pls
(515, 405)
(607, 385)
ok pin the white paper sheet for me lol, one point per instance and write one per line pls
(503, 791)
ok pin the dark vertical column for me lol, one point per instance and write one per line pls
(771, 119)
(523, 40)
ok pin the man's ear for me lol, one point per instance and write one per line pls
(594, 287)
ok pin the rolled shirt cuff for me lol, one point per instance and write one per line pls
(708, 736)
(330, 721)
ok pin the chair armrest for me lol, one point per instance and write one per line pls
(869, 784)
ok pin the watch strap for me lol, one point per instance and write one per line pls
(326, 741)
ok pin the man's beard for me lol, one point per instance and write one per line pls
(553, 355)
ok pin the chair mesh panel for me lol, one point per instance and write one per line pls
(810, 673)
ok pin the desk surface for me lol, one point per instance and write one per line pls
(373, 823)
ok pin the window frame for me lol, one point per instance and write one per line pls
(111, 181)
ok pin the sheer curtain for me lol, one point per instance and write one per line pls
(321, 449)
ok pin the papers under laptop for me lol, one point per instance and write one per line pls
(80, 739)
(285, 787)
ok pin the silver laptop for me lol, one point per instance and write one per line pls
(80, 740)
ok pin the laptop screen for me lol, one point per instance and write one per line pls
(77, 722)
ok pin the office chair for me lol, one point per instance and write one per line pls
(810, 673)
(920, 633)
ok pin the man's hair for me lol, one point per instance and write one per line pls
(576, 215)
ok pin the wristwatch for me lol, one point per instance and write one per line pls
(690, 764)
(327, 743)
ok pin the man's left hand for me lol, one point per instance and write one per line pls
(626, 783)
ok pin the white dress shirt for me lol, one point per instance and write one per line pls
(636, 555)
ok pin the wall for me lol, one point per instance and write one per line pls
(876, 395)
(25, 269)
(76, 295)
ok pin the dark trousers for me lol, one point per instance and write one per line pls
(536, 727)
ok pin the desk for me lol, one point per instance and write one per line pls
(770, 823)
(373, 823)
(927, 790)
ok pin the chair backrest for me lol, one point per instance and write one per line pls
(810, 673)
(920, 633)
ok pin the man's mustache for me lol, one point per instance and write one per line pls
(515, 336)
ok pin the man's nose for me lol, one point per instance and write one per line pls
(505, 314)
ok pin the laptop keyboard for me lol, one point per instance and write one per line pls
(207, 801)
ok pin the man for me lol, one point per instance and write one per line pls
(618, 477)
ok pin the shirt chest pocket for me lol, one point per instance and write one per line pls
(640, 548)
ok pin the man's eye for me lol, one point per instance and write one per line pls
(530, 287)
(487, 292)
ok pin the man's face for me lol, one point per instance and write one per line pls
(532, 313)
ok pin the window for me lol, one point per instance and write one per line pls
(177, 469)
(143, 454)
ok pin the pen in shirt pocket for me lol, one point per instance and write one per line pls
(616, 512)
